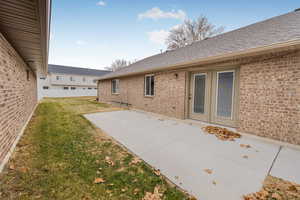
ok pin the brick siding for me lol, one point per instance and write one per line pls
(18, 96)
(169, 92)
(269, 95)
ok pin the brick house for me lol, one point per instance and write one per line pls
(248, 78)
(24, 34)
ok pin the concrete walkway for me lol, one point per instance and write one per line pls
(182, 152)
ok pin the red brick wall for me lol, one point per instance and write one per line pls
(18, 96)
(270, 97)
(169, 93)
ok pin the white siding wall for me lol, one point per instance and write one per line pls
(84, 86)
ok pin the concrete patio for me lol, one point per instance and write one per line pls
(182, 152)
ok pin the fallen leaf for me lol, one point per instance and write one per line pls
(23, 169)
(192, 198)
(99, 180)
(209, 171)
(156, 195)
(222, 133)
(135, 160)
(135, 191)
(214, 182)
(12, 167)
(276, 196)
(157, 172)
(247, 146)
(109, 161)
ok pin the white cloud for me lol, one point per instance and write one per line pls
(101, 3)
(156, 13)
(80, 42)
(158, 37)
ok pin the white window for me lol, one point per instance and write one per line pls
(58, 78)
(66, 88)
(149, 85)
(83, 79)
(73, 88)
(72, 78)
(115, 86)
(45, 87)
(94, 81)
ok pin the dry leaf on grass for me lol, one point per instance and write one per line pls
(222, 133)
(99, 180)
(23, 169)
(209, 171)
(135, 160)
(109, 161)
(157, 172)
(136, 191)
(12, 167)
(153, 196)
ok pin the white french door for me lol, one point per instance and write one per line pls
(213, 96)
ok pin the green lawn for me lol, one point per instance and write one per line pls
(61, 156)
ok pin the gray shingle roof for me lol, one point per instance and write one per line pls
(278, 29)
(60, 69)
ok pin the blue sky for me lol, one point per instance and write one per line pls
(93, 33)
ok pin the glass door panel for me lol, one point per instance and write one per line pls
(225, 89)
(199, 93)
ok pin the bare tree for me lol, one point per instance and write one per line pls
(118, 64)
(191, 31)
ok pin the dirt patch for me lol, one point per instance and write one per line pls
(222, 133)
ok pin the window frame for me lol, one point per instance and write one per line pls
(117, 89)
(150, 89)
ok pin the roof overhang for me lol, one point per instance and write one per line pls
(26, 25)
(274, 48)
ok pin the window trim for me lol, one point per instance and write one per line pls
(145, 85)
(117, 86)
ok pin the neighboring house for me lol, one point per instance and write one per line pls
(65, 81)
(24, 37)
(248, 78)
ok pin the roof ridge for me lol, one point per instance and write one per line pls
(78, 67)
(201, 41)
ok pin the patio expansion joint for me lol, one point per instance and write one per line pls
(274, 160)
